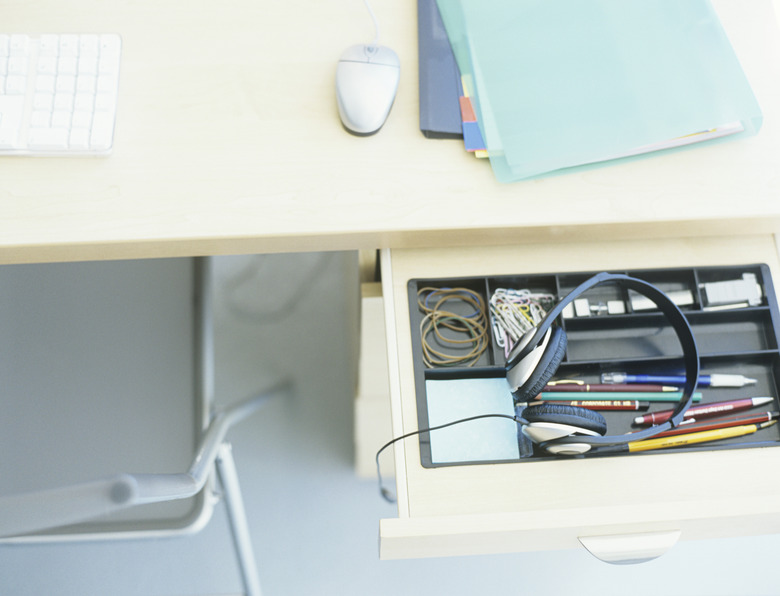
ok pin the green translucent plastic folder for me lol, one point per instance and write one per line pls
(563, 83)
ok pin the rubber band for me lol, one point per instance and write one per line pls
(466, 337)
(448, 294)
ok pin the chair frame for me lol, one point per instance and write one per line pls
(28, 515)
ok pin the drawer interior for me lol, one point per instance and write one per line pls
(460, 362)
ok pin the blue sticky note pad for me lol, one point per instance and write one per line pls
(489, 439)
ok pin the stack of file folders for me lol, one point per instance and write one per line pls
(543, 86)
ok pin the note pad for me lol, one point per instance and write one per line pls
(563, 83)
(489, 439)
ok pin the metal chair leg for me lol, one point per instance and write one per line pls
(226, 468)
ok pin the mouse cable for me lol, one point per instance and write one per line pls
(376, 23)
(386, 494)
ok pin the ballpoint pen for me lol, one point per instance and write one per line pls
(655, 396)
(569, 385)
(706, 410)
(714, 380)
(695, 437)
(696, 426)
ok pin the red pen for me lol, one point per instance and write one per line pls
(696, 427)
(706, 410)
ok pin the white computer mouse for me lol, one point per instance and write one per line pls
(366, 82)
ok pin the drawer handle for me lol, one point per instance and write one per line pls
(624, 549)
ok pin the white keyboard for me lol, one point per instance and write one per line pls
(58, 94)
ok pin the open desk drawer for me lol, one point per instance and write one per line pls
(622, 508)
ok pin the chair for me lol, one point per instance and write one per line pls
(109, 371)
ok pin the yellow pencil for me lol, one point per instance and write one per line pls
(697, 437)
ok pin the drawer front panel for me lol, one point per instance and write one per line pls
(553, 487)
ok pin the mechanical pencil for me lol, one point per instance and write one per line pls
(716, 380)
(719, 423)
(637, 395)
(696, 437)
(706, 410)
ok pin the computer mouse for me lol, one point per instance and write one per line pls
(367, 78)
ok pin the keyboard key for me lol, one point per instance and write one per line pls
(110, 45)
(84, 102)
(17, 65)
(47, 65)
(81, 119)
(9, 139)
(102, 131)
(89, 44)
(66, 83)
(15, 85)
(79, 138)
(49, 45)
(105, 102)
(63, 101)
(67, 65)
(45, 83)
(88, 65)
(86, 84)
(61, 119)
(43, 101)
(12, 109)
(40, 118)
(69, 46)
(18, 45)
(48, 138)
(107, 83)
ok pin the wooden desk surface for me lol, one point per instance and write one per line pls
(228, 141)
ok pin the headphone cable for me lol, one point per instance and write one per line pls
(386, 494)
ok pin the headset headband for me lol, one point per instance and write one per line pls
(674, 316)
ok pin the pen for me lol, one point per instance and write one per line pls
(637, 395)
(706, 410)
(716, 380)
(609, 404)
(715, 424)
(697, 437)
(582, 386)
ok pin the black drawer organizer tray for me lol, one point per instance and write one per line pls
(738, 338)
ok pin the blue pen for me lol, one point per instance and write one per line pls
(715, 380)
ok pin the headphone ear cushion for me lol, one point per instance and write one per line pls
(570, 415)
(548, 365)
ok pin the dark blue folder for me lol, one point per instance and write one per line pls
(440, 86)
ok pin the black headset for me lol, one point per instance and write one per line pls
(570, 430)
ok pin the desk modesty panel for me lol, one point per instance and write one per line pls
(228, 140)
(476, 508)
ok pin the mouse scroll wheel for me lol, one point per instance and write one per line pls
(371, 50)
